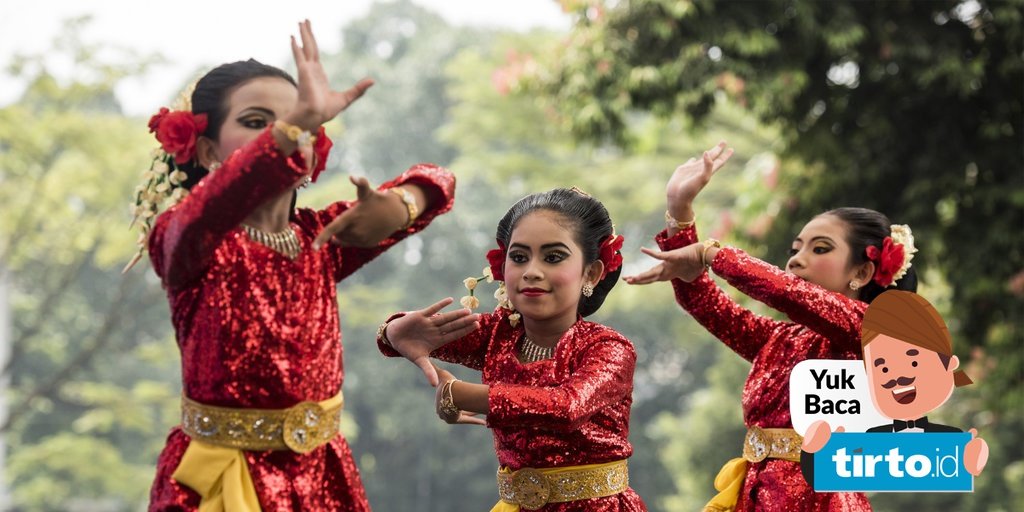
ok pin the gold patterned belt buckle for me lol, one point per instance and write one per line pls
(532, 488)
(308, 425)
(300, 428)
(776, 443)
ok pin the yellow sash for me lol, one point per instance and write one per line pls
(729, 483)
(220, 474)
(221, 477)
(758, 444)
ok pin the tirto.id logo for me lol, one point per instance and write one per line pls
(916, 466)
(893, 462)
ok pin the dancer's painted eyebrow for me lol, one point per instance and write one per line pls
(820, 237)
(545, 246)
(879, 361)
(248, 110)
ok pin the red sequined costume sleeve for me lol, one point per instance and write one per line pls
(572, 409)
(826, 325)
(258, 330)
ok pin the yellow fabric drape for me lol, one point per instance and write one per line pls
(504, 506)
(220, 475)
(728, 483)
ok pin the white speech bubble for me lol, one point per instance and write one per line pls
(843, 383)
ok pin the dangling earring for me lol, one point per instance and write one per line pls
(854, 285)
(588, 289)
(214, 166)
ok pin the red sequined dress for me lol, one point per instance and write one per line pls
(258, 330)
(569, 410)
(825, 325)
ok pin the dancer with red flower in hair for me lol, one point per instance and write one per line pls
(839, 262)
(556, 388)
(251, 284)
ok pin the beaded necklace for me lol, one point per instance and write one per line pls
(530, 352)
(284, 242)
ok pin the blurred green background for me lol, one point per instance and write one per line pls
(910, 108)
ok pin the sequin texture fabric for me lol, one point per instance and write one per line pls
(258, 330)
(570, 410)
(825, 325)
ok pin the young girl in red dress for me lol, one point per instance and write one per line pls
(556, 389)
(251, 284)
(840, 261)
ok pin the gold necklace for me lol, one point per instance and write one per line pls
(530, 352)
(284, 242)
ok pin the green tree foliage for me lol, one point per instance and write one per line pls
(89, 368)
(910, 108)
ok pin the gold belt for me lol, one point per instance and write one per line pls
(299, 428)
(776, 443)
(533, 488)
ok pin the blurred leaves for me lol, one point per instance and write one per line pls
(907, 107)
(81, 409)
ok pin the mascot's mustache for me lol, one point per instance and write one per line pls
(902, 381)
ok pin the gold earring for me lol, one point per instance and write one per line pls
(854, 285)
(588, 289)
(214, 166)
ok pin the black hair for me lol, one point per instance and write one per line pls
(210, 97)
(865, 228)
(585, 216)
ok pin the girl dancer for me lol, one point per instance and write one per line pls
(839, 262)
(251, 286)
(556, 389)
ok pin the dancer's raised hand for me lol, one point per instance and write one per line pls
(417, 334)
(317, 102)
(690, 178)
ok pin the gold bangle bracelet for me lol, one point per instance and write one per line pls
(410, 205)
(447, 405)
(705, 245)
(382, 333)
(673, 223)
(303, 138)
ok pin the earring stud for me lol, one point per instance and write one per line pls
(588, 289)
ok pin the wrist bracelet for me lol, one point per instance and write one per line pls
(710, 242)
(447, 404)
(303, 138)
(673, 223)
(382, 333)
(410, 204)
